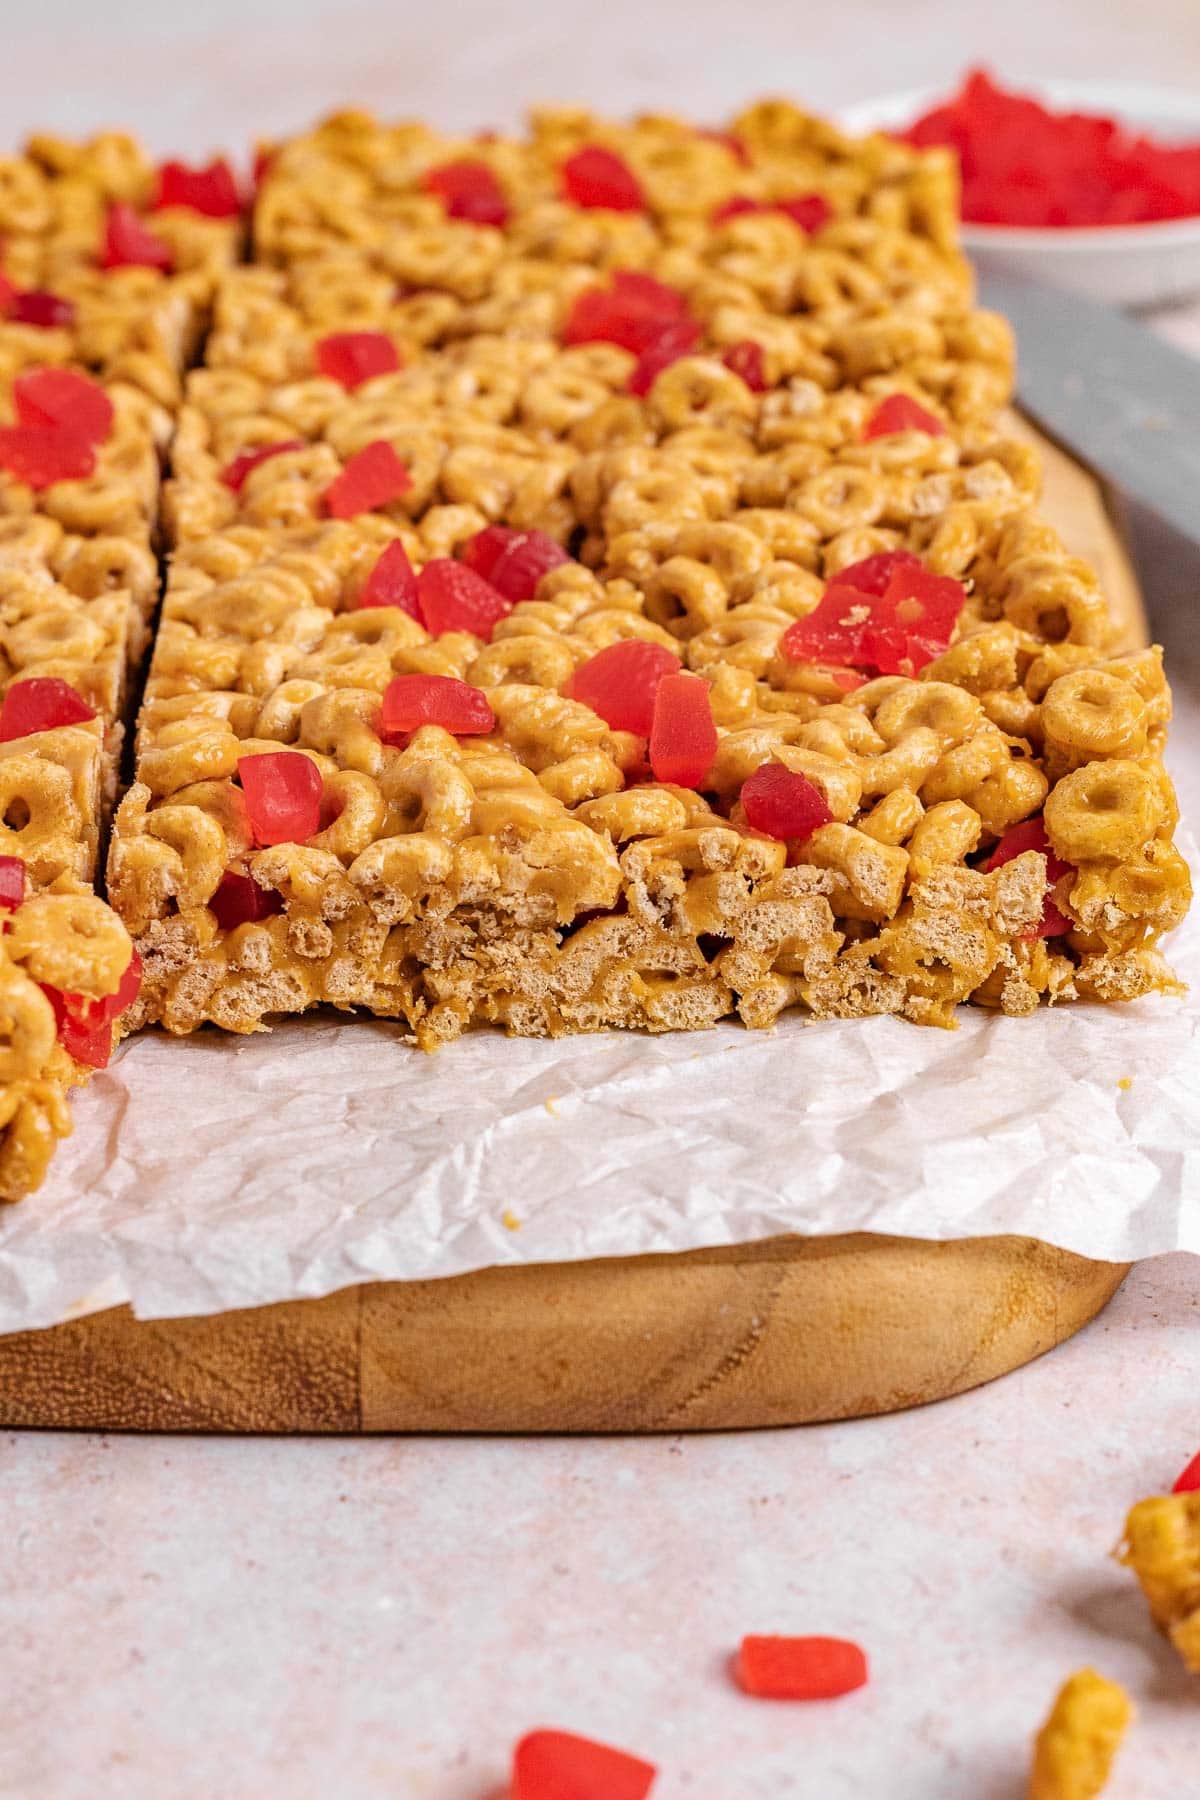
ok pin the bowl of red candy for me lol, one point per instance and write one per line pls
(1088, 186)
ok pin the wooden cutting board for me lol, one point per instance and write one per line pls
(783, 1332)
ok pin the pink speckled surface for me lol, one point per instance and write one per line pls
(229, 1619)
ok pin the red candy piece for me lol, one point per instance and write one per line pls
(871, 574)
(352, 357)
(88, 1044)
(211, 191)
(894, 632)
(633, 312)
(393, 582)
(130, 244)
(484, 550)
(411, 701)
(62, 398)
(9, 294)
(40, 455)
(782, 804)
(260, 168)
(728, 141)
(735, 206)
(526, 557)
(594, 176)
(746, 359)
(92, 1014)
(619, 683)
(557, 1765)
(469, 190)
(283, 796)
(234, 474)
(12, 883)
(672, 342)
(899, 412)
(683, 738)
(1189, 1480)
(800, 1668)
(238, 900)
(42, 703)
(1030, 834)
(36, 306)
(454, 598)
(809, 211)
(372, 478)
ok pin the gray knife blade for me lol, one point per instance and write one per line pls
(1121, 399)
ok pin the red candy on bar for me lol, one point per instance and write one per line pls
(800, 1668)
(64, 399)
(37, 306)
(411, 701)
(393, 582)
(893, 632)
(283, 796)
(596, 177)
(523, 561)
(899, 412)
(374, 477)
(871, 574)
(672, 342)
(1030, 834)
(809, 211)
(130, 244)
(746, 360)
(683, 738)
(1189, 1480)
(43, 703)
(12, 883)
(454, 598)
(620, 681)
(238, 900)
(234, 474)
(352, 357)
(783, 804)
(41, 455)
(558, 1765)
(633, 312)
(211, 191)
(469, 190)
(483, 551)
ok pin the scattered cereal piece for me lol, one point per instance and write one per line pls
(1076, 1747)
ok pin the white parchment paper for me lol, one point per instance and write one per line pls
(215, 1172)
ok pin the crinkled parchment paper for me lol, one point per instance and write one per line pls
(217, 1172)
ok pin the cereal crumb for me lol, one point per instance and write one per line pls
(1125, 1083)
(551, 1105)
(509, 1220)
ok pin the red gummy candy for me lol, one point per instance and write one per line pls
(800, 1668)
(683, 738)
(372, 478)
(392, 582)
(871, 574)
(211, 191)
(283, 796)
(633, 312)
(40, 455)
(594, 176)
(88, 1044)
(454, 598)
(65, 399)
(238, 900)
(234, 474)
(9, 295)
(12, 883)
(469, 190)
(746, 359)
(130, 244)
(1030, 834)
(91, 1014)
(894, 632)
(558, 1765)
(483, 551)
(37, 306)
(526, 557)
(899, 412)
(809, 211)
(619, 683)
(42, 703)
(783, 804)
(411, 701)
(352, 357)
(672, 342)
(1189, 1480)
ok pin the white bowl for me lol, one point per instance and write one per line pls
(1127, 265)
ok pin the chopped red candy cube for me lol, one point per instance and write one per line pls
(521, 564)
(917, 613)
(469, 190)
(130, 244)
(894, 632)
(871, 574)
(1189, 1480)
(454, 598)
(283, 796)
(558, 1765)
(683, 738)
(809, 211)
(40, 455)
(238, 900)
(800, 1668)
(88, 1044)
(37, 306)
(900, 412)
(352, 357)
(234, 474)
(728, 140)
(264, 156)
(211, 191)
(672, 342)
(63, 398)
(411, 701)
(783, 804)
(632, 312)
(9, 294)
(91, 1013)
(835, 630)
(619, 683)
(483, 551)
(372, 478)
(12, 883)
(594, 176)
(393, 582)
(1030, 834)
(42, 703)
(746, 359)
(735, 206)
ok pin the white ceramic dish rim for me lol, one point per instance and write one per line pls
(1158, 109)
